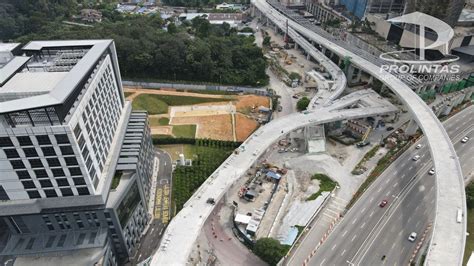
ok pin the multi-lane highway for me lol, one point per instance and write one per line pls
(448, 238)
(369, 232)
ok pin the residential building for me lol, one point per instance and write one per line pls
(75, 160)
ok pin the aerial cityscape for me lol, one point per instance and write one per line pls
(236, 132)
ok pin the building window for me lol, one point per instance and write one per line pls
(25, 141)
(50, 193)
(43, 140)
(62, 182)
(66, 192)
(36, 163)
(79, 181)
(66, 150)
(30, 152)
(48, 151)
(53, 162)
(23, 174)
(75, 171)
(77, 130)
(83, 191)
(58, 172)
(70, 161)
(11, 153)
(50, 227)
(62, 139)
(33, 194)
(6, 142)
(28, 184)
(17, 164)
(40, 173)
(46, 183)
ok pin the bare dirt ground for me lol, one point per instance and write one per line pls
(211, 126)
(214, 125)
(244, 126)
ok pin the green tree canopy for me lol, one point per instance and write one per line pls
(470, 195)
(302, 103)
(270, 250)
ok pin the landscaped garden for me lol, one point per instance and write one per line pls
(158, 104)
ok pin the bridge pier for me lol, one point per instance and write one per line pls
(411, 128)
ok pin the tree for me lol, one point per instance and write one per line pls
(302, 103)
(270, 250)
(470, 195)
(172, 28)
(294, 75)
(266, 41)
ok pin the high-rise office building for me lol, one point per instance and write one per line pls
(446, 10)
(360, 8)
(75, 162)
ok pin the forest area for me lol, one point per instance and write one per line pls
(148, 47)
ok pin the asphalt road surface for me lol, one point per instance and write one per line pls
(152, 238)
(369, 232)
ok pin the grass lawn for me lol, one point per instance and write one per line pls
(470, 238)
(159, 121)
(184, 131)
(158, 104)
(150, 103)
(173, 100)
(325, 184)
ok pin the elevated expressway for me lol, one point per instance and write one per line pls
(448, 238)
(178, 239)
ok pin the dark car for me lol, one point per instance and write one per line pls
(390, 128)
(383, 203)
(363, 144)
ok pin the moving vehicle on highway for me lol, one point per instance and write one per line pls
(362, 144)
(383, 203)
(416, 158)
(390, 128)
(418, 146)
(465, 139)
(412, 237)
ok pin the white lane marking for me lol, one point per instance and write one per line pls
(388, 180)
(363, 225)
(379, 189)
(333, 247)
(353, 238)
(354, 221)
(371, 199)
(363, 210)
(411, 167)
(322, 262)
(345, 232)
(372, 213)
(394, 185)
(344, 251)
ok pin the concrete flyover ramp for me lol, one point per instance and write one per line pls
(180, 235)
(449, 236)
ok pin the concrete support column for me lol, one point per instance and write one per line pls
(296, 46)
(359, 76)
(411, 128)
(371, 80)
(308, 57)
(323, 50)
(350, 73)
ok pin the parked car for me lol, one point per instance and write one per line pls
(383, 203)
(412, 237)
(390, 128)
(431, 171)
(465, 139)
(416, 157)
(362, 144)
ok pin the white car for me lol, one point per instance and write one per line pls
(431, 172)
(412, 237)
(418, 146)
(416, 157)
(465, 139)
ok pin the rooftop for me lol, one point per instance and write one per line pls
(49, 74)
